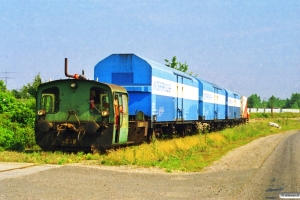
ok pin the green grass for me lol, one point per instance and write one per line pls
(41, 157)
(188, 154)
(275, 115)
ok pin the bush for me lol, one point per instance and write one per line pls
(6, 138)
(16, 122)
(15, 137)
(22, 114)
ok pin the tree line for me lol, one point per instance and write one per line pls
(254, 101)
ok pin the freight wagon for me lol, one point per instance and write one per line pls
(170, 100)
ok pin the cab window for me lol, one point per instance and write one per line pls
(99, 100)
(50, 100)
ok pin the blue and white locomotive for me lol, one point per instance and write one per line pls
(167, 99)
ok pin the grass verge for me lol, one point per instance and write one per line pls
(188, 154)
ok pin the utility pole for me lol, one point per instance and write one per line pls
(6, 76)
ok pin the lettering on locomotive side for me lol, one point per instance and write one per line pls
(162, 87)
(208, 96)
(211, 97)
(175, 89)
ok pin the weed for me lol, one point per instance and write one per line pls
(61, 161)
(89, 156)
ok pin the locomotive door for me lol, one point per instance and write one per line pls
(216, 108)
(179, 101)
(121, 117)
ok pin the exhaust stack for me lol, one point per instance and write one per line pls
(76, 76)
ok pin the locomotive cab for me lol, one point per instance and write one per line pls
(81, 115)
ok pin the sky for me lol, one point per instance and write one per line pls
(249, 47)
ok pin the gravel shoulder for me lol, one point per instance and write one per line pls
(251, 155)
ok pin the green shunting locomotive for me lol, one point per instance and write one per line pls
(76, 114)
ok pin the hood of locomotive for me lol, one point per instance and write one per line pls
(66, 106)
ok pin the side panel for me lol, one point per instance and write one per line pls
(230, 102)
(179, 99)
(230, 107)
(237, 106)
(213, 105)
(163, 108)
(221, 104)
(216, 105)
(233, 106)
(172, 100)
(139, 101)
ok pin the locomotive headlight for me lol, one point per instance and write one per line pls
(154, 118)
(41, 112)
(105, 113)
(73, 85)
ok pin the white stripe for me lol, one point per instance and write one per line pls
(238, 103)
(210, 97)
(234, 102)
(169, 88)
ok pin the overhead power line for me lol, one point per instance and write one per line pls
(6, 76)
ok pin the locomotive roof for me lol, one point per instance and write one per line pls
(112, 86)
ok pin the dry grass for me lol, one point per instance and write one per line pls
(191, 153)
